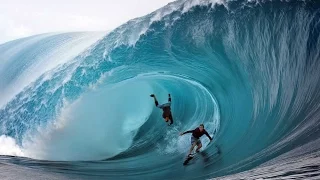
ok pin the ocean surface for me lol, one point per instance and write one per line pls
(77, 106)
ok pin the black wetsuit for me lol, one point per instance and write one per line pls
(166, 110)
(197, 133)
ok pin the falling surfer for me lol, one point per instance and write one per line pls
(195, 140)
(167, 115)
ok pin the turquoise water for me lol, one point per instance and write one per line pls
(77, 105)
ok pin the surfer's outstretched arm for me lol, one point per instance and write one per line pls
(206, 133)
(186, 132)
(155, 99)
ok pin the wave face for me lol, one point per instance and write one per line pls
(79, 104)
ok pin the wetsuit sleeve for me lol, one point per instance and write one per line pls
(187, 132)
(156, 102)
(169, 99)
(208, 135)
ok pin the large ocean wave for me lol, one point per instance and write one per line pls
(79, 105)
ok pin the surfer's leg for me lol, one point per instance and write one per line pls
(155, 99)
(193, 144)
(192, 147)
(199, 146)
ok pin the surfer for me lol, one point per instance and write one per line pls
(195, 138)
(167, 115)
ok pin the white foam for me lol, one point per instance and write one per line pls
(8, 146)
(130, 33)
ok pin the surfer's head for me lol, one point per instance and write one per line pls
(201, 127)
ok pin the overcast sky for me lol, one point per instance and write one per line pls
(21, 18)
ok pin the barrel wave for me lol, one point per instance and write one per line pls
(77, 105)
